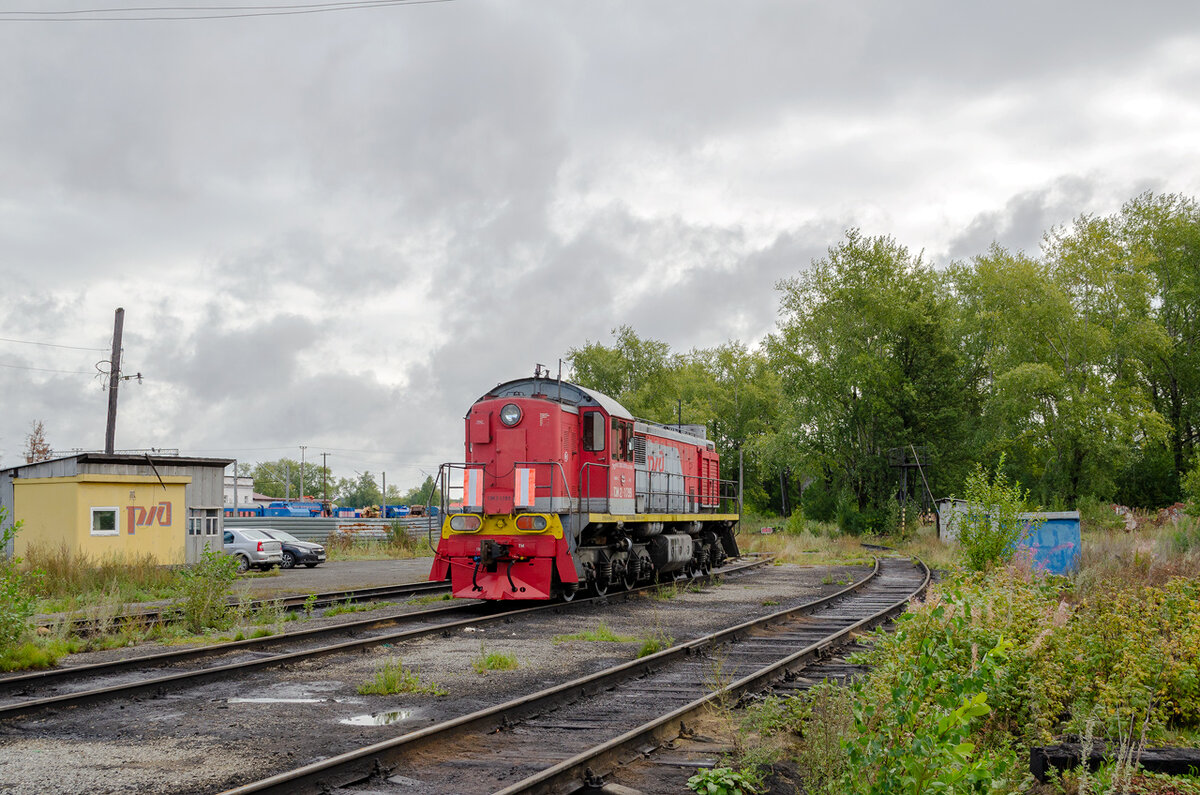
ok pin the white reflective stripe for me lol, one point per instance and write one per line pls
(473, 488)
(523, 496)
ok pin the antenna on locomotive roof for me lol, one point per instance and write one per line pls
(560, 380)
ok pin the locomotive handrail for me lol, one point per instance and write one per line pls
(607, 497)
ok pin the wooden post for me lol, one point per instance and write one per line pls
(114, 379)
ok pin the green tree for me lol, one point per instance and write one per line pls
(1061, 347)
(868, 362)
(281, 478)
(638, 372)
(1163, 235)
(359, 492)
(729, 389)
(425, 493)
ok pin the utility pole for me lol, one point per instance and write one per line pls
(324, 485)
(235, 487)
(114, 379)
(302, 449)
(384, 500)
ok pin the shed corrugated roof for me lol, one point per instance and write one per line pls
(127, 458)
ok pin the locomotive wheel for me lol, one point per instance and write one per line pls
(568, 594)
(599, 588)
(630, 580)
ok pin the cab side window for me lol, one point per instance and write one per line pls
(593, 432)
(622, 440)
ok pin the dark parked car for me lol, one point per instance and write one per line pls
(295, 551)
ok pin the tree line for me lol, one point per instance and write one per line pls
(282, 478)
(1075, 371)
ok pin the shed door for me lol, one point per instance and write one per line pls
(203, 527)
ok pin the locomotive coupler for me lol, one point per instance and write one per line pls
(491, 551)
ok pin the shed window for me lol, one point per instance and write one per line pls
(104, 522)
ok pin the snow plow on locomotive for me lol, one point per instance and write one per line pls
(564, 490)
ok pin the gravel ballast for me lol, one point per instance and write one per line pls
(211, 737)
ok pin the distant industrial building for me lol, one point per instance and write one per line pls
(98, 504)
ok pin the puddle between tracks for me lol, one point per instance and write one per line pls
(268, 700)
(378, 719)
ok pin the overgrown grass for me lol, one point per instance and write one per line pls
(397, 546)
(1116, 647)
(817, 545)
(354, 607)
(653, 643)
(428, 600)
(34, 655)
(68, 580)
(392, 677)
(601, 634)
(494, 661)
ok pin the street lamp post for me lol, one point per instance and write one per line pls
(302, 449)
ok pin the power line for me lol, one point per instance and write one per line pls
(80, 15)
(52, 344)
(46, 370)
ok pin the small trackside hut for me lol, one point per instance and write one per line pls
(563, 489)
(104, 505)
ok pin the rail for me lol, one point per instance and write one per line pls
(838, 615)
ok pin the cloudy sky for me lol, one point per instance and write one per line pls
(339, 229)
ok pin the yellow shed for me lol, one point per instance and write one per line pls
(100, 505)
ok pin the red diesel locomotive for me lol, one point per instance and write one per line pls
(562, 490)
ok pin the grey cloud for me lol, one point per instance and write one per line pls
(1020, 224)
(333, 270)
(216, 363)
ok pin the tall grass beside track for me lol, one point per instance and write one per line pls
(993, 663)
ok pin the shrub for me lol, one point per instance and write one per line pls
(725, 781)
(205, 589)
(399, 537)
(1135, 654)
(1097, 515)
(1189, 484)
(16, 599)
(795, 524)
(916, 738)
(989, 530)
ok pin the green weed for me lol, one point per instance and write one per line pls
(494, 661)
(393, 677)
(601, 634)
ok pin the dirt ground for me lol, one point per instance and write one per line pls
(214, 736)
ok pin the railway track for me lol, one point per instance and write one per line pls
(87, 625)
(563, 738)
(25, 694)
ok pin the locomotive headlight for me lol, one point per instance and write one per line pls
(510, 415)
(465, 522)
(531, 523)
